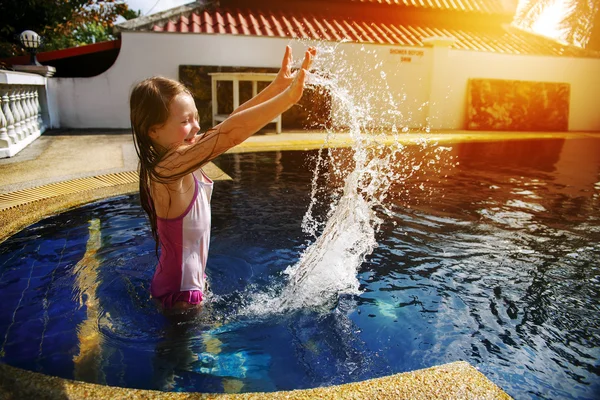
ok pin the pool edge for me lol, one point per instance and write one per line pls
(448, 381)
(21, 208)
(18, 217)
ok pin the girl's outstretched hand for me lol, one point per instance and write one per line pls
(297, 87)
(285, 77)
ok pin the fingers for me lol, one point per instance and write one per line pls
(287, 58)
(308, 57)
(299, 79)
(307, 60)
(297, 87)
(306, 63)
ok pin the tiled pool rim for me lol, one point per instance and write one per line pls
(449, 381)
(457, 380)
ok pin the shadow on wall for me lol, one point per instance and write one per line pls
(313, 111)
(75, 62)
(507, 105)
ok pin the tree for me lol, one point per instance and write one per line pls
(579, 22)
(578, 19)
(62, 23)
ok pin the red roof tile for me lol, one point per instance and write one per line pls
(307, 25)
(482, 6)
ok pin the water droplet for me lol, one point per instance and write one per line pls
(382, 74)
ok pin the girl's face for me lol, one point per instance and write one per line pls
(182, 125)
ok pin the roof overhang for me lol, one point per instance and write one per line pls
(141, 22)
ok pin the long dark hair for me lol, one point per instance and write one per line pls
(149, 107)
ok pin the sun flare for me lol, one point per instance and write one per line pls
(549, 21)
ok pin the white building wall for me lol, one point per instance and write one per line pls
(103, 101)
(424, 94)
(378, 82)
(583, 74)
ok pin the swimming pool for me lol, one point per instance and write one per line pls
(492, 259)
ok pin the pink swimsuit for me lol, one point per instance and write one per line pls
(184, 242)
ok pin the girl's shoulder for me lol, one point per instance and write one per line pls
(201, 176)
(175, 185)
(171, 199)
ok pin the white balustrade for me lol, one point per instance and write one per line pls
(38, 107)
(33, 110)
(4, 138)
(21, 112)
(24, 112)
(27, 102)
(14, 107)
(8, 117)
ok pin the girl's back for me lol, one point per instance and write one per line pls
(173, 198)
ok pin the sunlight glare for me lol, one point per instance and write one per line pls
(548, 23)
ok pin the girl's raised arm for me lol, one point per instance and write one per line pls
(282, 81)
(239, 126)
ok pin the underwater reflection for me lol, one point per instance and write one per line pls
(249, 354)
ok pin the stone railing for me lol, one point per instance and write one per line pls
(22, 104)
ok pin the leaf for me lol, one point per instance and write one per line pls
(60, 22)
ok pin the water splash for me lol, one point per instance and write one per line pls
(375, 162)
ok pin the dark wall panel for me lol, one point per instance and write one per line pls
(510, 105)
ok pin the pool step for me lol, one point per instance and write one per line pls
(79, 185)
(26, 196)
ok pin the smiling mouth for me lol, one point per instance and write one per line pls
(190, 139)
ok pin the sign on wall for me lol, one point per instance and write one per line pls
(408, 55)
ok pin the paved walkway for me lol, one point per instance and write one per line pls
(67, 155)
(53, 158)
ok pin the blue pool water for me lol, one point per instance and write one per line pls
(491, 259)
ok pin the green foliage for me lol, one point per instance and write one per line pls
(88, 33)
(62, 23)
(577, 20)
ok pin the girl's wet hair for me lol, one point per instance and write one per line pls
(149, 107)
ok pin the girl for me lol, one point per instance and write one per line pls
(174, 191)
